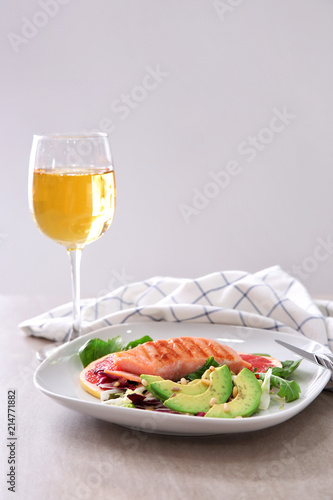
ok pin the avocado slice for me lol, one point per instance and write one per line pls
(245, 403)
(220, 388)
(150, 378)
(164, 389)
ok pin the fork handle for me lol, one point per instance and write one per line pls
(324, 361)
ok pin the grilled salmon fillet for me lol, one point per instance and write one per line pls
(173, 358)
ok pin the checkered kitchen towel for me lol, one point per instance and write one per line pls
(270, 299)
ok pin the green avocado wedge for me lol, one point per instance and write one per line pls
(220, 388)
(150, 378)
(164, 389)
(245, 403)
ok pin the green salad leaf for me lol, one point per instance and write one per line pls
(288, 389)
(96, 348)
(287, 368)
(137, 342)
(198, 374)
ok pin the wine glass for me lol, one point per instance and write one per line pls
(72, 198)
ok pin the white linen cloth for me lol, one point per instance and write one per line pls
(270, 300)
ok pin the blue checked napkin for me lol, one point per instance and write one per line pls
(270, 299)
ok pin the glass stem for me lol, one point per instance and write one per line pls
(75, 260)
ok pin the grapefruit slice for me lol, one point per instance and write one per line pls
(261, 363)
(89, 378)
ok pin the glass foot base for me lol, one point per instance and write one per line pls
(46, 351)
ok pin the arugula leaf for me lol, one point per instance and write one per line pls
(96, 348)
(287, 368)
(288, 389)
(198, 374)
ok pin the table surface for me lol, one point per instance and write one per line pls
(61, 454)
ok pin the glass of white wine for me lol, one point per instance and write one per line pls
(72, 198)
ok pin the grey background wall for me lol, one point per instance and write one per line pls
(220, 117)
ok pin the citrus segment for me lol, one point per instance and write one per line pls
(89, 377)
(261, 363)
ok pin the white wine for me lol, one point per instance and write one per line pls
(73, 206)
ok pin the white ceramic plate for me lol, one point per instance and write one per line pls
(58, 378)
